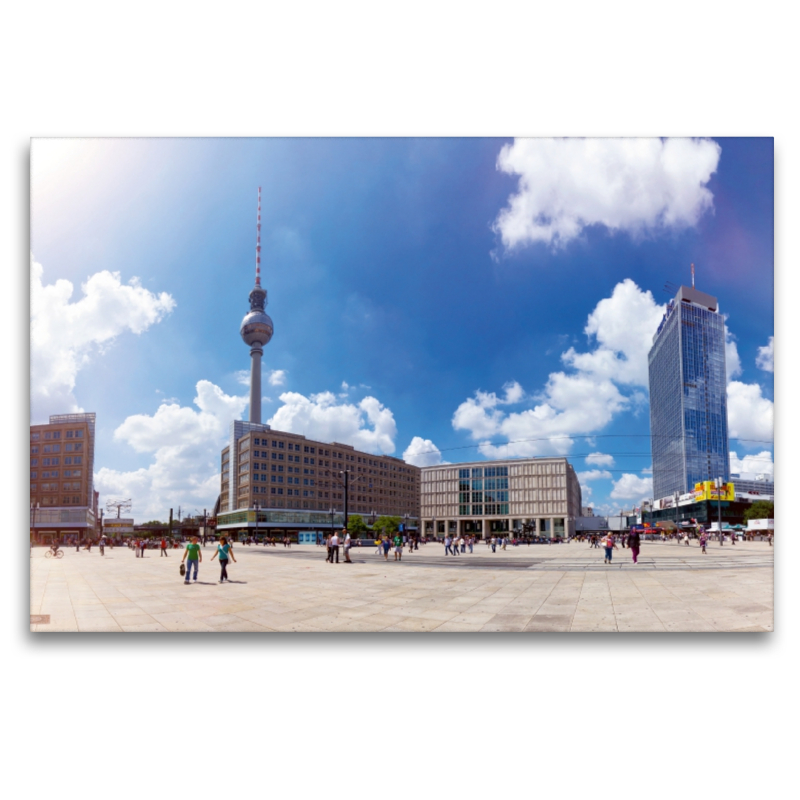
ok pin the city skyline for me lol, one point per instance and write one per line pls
(379, 256)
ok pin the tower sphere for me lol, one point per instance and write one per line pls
(256, 328)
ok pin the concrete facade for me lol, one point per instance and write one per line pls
(486, 498)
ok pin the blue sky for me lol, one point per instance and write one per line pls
(439, 297)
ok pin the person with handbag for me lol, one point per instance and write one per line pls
(192, 555)
(224, 551)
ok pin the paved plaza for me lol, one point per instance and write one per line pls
(537, 588)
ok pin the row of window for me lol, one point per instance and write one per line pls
(53, 487)
(483, 497)
(484, 472)
(54, 462)
(489, 509)
(57, 435)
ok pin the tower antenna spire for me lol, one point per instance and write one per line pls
(692, 264)
(258, 241)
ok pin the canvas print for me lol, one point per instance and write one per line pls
(401, 385)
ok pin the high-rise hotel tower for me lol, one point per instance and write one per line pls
(688, 400)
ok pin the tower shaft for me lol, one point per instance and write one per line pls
(255, 383)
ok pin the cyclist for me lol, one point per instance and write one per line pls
(54, 547)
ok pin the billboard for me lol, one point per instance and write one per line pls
(117, 525)
(708, 491)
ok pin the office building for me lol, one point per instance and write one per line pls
(62, 496)
(688, 400)
(758, 486)
(486, 498)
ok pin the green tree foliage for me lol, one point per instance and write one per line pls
(387, 525)
(154, 522)
(761, 509)
(356, 525)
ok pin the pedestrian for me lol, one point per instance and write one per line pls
(224, 551)
(494, 544)
(164, 547)
(334, 547)
(633, 544)
(378, 547)
(192, 555)
(398, 547)
(386, 545)
(471, 543)
(347, 545)
(609, 545)
(462, 545)
(703, 541)
(102, 545)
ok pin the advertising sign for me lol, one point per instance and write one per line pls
(707, 491)
(115, 526)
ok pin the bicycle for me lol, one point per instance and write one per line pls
(56, 554)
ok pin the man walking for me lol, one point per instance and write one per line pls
(193, 555)
(633, 545)
(446, 545)
(164, 547)
(334, 548)
(398, 547)
(347, 545)
(102, 545)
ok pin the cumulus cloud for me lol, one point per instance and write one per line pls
(277, 377)
(623, 326)
(766, 356)
(594, 475)
(733, 364)
(750, 414)
(751, 465)
(65, 334)
(422, 453)
(366, 425)
(600, 459)
(185, 444)
(632, 487)
(632, 185)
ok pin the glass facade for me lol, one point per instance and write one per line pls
(482, 490)
(688, 399)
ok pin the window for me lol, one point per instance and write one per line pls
(34, 437)
(280, 491)
(67, 459)
(33, 478)
(477, 497)
(311, 450)
(34, 450)
(312, 460)
(280, 445)
(305, 493)
(305, 459)
(280, 456)
(258, 441)
(477, 510)
(75, 460)
(56, 434)
(78, 434)
(477, 472)
(34, 462)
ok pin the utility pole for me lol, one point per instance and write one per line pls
(718, 484)
(170, 524)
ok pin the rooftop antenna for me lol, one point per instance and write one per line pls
(258, 241)
(692, 276)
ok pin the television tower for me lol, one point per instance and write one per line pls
(256, 329)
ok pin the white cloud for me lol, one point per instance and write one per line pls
(594, 475)
(750, 414)
(623, 325)
(733, 364)
(766, 356)
(277, 377)
(600, 459)
(65, 334)
(632, 487)
(186, 446)
(632, 185)
(422, 453)
(751, 465)
(367, 425)
(242, 376)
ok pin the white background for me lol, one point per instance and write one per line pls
(380, 716)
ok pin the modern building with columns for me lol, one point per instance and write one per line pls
(486, 498)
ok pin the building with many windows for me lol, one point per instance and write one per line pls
(688, 396)
(761, 485)
(63, 500)
(486, 498)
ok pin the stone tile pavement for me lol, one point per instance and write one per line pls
(542, 588)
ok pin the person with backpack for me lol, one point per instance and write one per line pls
(224, 551)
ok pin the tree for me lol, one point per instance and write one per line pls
(761, 509)
(387, 525)
(356, 525)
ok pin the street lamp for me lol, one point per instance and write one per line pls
(331, 513)
(405, 529)
(677, 516)
(34, 509)
(256, 506)
(718, 485)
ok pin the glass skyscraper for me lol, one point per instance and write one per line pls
(688, 399)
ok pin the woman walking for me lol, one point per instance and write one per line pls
(703, 541)
(224, 550)
(609, 544)
(633, 544)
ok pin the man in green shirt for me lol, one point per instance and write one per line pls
(192, 555)
(398, 547)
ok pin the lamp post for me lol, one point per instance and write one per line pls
(34, 509)
(405, 529)
(718, 485)
(256, 506)
(677, 515)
